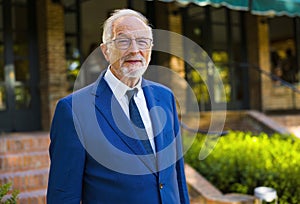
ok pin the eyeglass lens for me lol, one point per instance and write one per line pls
(124, 43)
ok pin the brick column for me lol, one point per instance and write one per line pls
(51, 42)
(264, 60)
(253, 58)
(257, 47)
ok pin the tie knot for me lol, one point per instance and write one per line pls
(131, 93)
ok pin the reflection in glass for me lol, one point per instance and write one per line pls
(20, 1)
(220, 59)
(22, 97)
(19, 17)
(1, 71)
(197, 75)
(2, 97)
(21, 49)
(219, 37)
(20, 31)
(1, 57)
(283, 50)
(70, 24)
(235, 17)
(218, 15)
(21, 53)
(22, 70)
(73, 61)
(1, 18)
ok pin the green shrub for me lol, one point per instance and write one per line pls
(242, 161)
(5, 197)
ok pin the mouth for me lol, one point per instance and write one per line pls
(133, 61)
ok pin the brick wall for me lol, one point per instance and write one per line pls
(283, 98)
(51, 42)
(24, 161)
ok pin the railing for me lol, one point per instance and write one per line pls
(280, 81)
(261, 71)
(271, 76)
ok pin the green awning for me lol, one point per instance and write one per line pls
(276, 7)
(232, 4)
(259, 7)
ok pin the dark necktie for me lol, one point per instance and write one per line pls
(137, 121)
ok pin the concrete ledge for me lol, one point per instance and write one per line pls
(262, 118)
(207, 193)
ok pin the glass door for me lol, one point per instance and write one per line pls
(219, 32)
(227, 54)
(19, 101)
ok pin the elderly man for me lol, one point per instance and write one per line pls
(118, 139)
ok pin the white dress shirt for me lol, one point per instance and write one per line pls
(119, 90)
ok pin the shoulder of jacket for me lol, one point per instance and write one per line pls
(160, 87)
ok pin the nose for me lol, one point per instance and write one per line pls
(133, 47)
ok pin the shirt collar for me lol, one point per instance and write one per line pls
(119, 88)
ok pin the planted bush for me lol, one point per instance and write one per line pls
(242, 161)
(5, 196)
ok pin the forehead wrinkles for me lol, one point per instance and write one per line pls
(130, 25)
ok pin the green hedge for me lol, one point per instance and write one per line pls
(11, 196)
(242, 161)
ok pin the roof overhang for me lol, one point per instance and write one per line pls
(259, 7)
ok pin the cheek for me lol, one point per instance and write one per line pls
(147, 56)
(115, 56)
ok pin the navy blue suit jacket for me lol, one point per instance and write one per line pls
(96, 159)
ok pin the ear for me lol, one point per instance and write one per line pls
(105, 51)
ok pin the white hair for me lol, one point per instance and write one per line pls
(108, 24)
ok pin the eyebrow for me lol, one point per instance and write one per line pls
(122, 35)
(126, 36)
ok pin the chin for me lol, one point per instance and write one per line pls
(133, 73)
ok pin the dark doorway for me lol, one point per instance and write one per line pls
(19, 92)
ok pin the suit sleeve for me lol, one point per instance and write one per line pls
(184, 196)
(67, 157)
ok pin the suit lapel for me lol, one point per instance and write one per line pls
(153, 104)
(162, 129)
(158, 119)
(109, 107)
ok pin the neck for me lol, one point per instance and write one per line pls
(129, 81)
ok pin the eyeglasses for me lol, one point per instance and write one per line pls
(125, 43)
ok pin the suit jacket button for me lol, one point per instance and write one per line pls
(161, 186)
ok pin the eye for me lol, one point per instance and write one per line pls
(143, 42)
(123, 42)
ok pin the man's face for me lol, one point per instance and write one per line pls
(133, 61)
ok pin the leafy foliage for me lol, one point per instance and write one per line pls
(242, 161)
(5, 197)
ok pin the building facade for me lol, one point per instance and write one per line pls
(45, 42)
